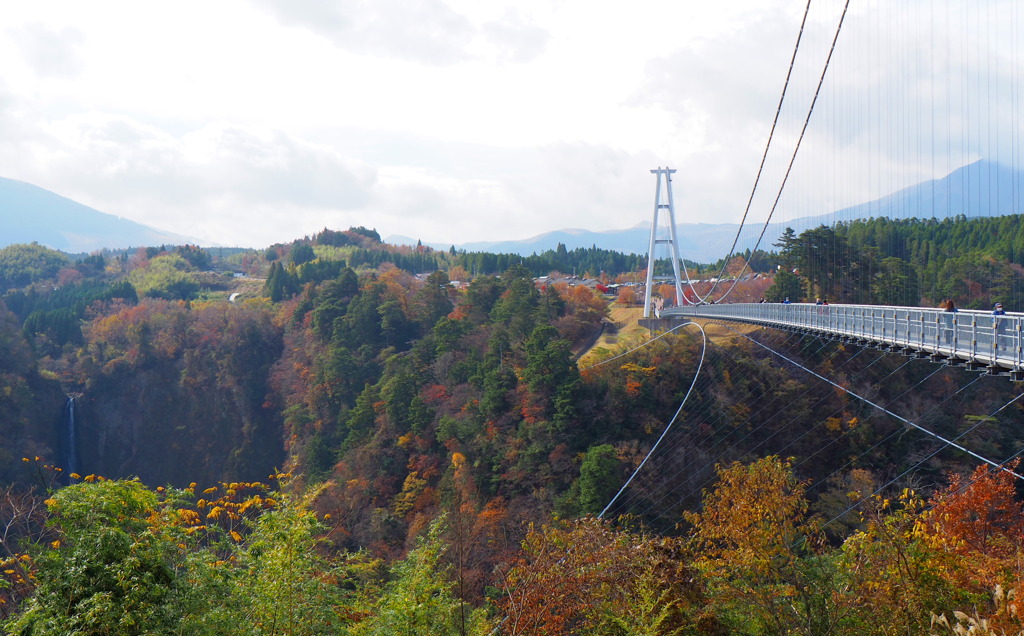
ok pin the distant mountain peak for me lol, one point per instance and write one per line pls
(29, 213)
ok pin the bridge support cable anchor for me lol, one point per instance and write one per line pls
(664, 176)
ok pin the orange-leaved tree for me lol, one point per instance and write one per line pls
(589, 577)
(980, 521)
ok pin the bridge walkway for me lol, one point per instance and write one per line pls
(977, 340)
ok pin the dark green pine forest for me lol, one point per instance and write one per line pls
(909, 262)
(335, 435)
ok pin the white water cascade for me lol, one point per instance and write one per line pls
(71, 438)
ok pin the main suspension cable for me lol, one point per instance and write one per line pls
(764, 156)
(668, 426)
(796, 149)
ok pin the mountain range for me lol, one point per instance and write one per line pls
(32, 214)
(982, 188)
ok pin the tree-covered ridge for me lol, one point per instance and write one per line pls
(907, 262)
(24, 264)
(395, 373)
(361, 249)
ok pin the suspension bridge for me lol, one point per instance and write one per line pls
(967, 114)
(974, 57)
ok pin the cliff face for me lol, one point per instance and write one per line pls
(147, 423)
(183, 400)
(30, 404)
(30, 422)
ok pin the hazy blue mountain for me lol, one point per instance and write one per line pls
(983, 188)
(694, 238)
(29, 213)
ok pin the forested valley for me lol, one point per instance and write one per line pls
(337, 436)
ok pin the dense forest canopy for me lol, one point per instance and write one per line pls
(340, 436)
(975, 262)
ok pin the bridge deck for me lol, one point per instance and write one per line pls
(974, 338)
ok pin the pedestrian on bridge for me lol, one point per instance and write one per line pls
(998, 323)
(949, 322)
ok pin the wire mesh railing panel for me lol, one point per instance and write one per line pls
(975, 337)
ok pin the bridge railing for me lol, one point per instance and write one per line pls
(976, 337)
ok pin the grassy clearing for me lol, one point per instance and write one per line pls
(624, 331)
(621, 330)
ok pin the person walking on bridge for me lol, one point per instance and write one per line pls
(949, 322)
(998, 323)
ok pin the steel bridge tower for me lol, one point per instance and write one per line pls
(670, 240)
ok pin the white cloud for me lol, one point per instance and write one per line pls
(426, 32)
(121, 166)
(52, 53)
(584, 186)
(515, 39)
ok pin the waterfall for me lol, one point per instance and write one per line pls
(71, 439)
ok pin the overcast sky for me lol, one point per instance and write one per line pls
(251, 122)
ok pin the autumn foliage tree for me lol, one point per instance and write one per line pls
(896, 579)
(626, 296)
(419, 597)
(981, 521)
(756, 547)
(110, 571)
(234, 559)
(589, 577)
